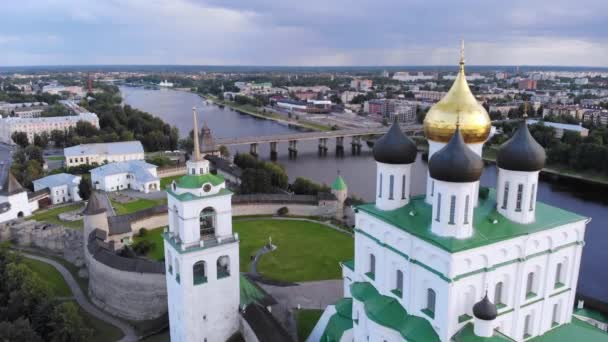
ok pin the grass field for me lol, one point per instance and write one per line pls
(154, 235)
(54, 158)
(50, 275)
(52, 216)
(164, 182)
(137, 205)
(306, 251)
(305, 322)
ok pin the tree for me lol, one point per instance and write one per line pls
(303, 186)
(67, 324)
(85, 187)
(58, 137)
(255, 181)
(20, 138)
(41, 140)
(224, 152)
(18, 330)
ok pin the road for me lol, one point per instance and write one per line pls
(6, 157)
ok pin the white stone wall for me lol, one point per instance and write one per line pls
(526, 211)
(101, 158)
(387, 197)
(460, 224)
(19, 204)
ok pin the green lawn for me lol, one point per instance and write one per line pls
(102, 331)
(306, 251)
(166, 181)
(305, 322)
(51, 216)
(50, 275)
(154, 235)
(137, 205)
(54, 157)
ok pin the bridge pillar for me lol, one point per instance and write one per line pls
(293, 149)
(273, 150)
(339, 146)
(355, 145)
(322, 146)
(253, 149)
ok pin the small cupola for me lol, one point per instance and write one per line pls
(395, 147)
(456, 162)
(522, 152)
(485, 313)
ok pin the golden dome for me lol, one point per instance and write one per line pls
(458, 106)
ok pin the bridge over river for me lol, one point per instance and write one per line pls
(355, 134)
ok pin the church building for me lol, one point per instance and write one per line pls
(461, 262)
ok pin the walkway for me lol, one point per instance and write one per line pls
(127, 330)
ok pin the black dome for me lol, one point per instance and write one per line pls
(456, 162)
(394, 147)
(485, 309)
(521, 152)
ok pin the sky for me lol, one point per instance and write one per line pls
(304, 32)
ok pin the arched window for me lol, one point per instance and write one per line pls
(169, 263)
(555, 317)
(498, 297)
(520, 191)
(175, 219)
(528, 326)
(403, 187)
(177, 270)
(223, 266)
(193, 171)
(207, 222)
(372, 266)
(199, 273)
(379, 185)
(438, 214)
(431, 298)
(391, 183)
(399, 283)
(505, 196)
(532, 199)
(432, 188)
(452, 209)
(466, 210)
(558, 275)
(530, 285)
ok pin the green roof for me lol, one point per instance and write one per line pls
(596, 315)
(350, 264)
(186, 196)
(466, 334)
(339, 184)
(340, 322)
(388, 312)
(249, 292)
(197, 181)
(577, 330)
(485, 230)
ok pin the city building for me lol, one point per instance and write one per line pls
(581, 81)
(165, 84)
(429, 95)
(574, 111)
(33, 126)
(361, 85)
(292, 105)
(201, 256)
(7, 108)
(561, 127)
(597, 116)
(462, 262)
(348, 96)
(57, 89)
(101, 153)
(133, 174)
(28, 112)
(527, 84)
(406, 76)
(63, 187)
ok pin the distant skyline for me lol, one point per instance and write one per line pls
(304, 33)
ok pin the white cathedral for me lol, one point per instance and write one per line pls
(460, 263)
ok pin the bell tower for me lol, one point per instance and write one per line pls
(201, 255)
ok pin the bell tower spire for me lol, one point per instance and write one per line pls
(196, 153)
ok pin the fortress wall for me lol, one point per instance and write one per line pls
(294, 209)
(151, 222)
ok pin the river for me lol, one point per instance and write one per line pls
(175, 107)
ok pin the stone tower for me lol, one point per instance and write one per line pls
(201, 256)
(340, 190)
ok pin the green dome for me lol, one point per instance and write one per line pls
(339, 184)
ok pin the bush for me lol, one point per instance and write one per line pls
(283, 211)
(142, 247)
(143, 232)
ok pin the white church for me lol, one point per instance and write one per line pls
(460, 263)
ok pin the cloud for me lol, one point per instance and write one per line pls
(312, 32)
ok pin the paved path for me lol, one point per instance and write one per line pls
(127, 330)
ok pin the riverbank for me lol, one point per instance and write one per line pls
(489, 155)
(254, 111)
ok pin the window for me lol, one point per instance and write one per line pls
(528, 326)
(199, 273)
(438, 214)
(207, 222)
(505, 196)
(177, 270)
(372, 266)
(391, 183)
(429, 310)
(520, 190)
(532, 193)
(201, 171)
(403, 188)
(380, 186)
(558, 275)
(466, 210)
(193, 171)
(399, 284)
(432, 188)
(498, 294)
(169, 265)
(555, 317)
(223, 266)
(530, 285)
(452, 208)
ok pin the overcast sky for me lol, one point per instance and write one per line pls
(304, 32)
